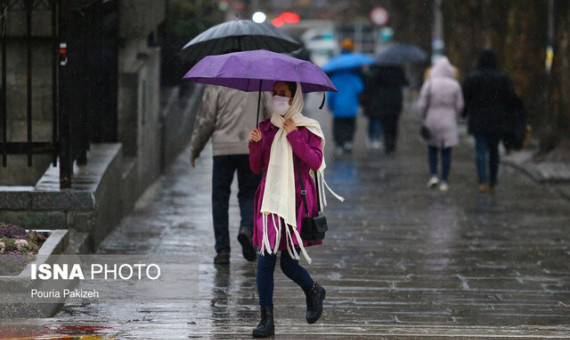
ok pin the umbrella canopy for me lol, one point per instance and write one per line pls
(346, 61)
(400, 53)
(258, 70)
(238, 35)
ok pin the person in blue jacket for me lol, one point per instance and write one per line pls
(344, 104)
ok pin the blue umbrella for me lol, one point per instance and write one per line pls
(347, 61)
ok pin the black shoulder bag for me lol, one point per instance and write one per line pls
(312, 228)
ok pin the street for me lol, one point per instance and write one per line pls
(400, 261)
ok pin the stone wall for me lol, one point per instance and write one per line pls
(92, 206)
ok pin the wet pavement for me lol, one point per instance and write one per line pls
(400, 261)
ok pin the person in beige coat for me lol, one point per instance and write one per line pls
(227, 115)
(440, 102)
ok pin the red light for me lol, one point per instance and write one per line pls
(278, 22)
(290, 17)
(63, 51)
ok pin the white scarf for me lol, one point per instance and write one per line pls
(279, 191)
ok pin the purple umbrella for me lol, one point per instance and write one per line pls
(258, 70)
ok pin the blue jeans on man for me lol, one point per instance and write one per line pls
(374, 129)
(487, 144)
(223, 175)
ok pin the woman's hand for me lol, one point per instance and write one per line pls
(255, 135)
(289, 125)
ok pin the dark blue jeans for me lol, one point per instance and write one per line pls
(289, 266)
(224, 169)
(445, 161)
(390, 121)
(487, 144)
(374, 129)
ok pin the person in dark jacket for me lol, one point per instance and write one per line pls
(487, 93)
(382, 101)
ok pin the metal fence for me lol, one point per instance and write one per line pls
(72, 85)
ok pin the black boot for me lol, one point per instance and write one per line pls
(315, 297)
(266, 327)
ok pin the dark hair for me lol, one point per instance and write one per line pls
(292, 87)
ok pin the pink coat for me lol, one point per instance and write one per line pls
(445, 104)
(307, 147)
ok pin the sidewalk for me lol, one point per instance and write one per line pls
(400, 261)
(554, 174)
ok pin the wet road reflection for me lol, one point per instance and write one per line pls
(57, 332)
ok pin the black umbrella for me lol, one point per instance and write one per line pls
(400, 53)
(238, 35)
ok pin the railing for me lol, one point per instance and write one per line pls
(61, 146)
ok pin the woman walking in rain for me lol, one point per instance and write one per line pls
(285, 148)
(440, 102)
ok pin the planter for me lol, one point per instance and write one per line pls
(15, 291)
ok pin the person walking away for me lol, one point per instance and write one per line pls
(440, 102)
(285, 148)
(488, 93)
(384, 102)
(226, 115)
(344, 104)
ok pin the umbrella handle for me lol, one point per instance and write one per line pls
(323, 102)
(258, 103)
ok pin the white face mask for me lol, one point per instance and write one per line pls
(280, 104)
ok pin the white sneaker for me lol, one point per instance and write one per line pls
(432, 182)
(443, 186)
(376, 145)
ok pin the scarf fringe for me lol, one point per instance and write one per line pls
(266, 245)
(303, 251)
(277, 227)
(338, 197)
(322, 184)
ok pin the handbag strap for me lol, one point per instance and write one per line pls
(303, 191)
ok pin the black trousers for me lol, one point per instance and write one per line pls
(222, 177)
(343, 130)
(390, 127)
